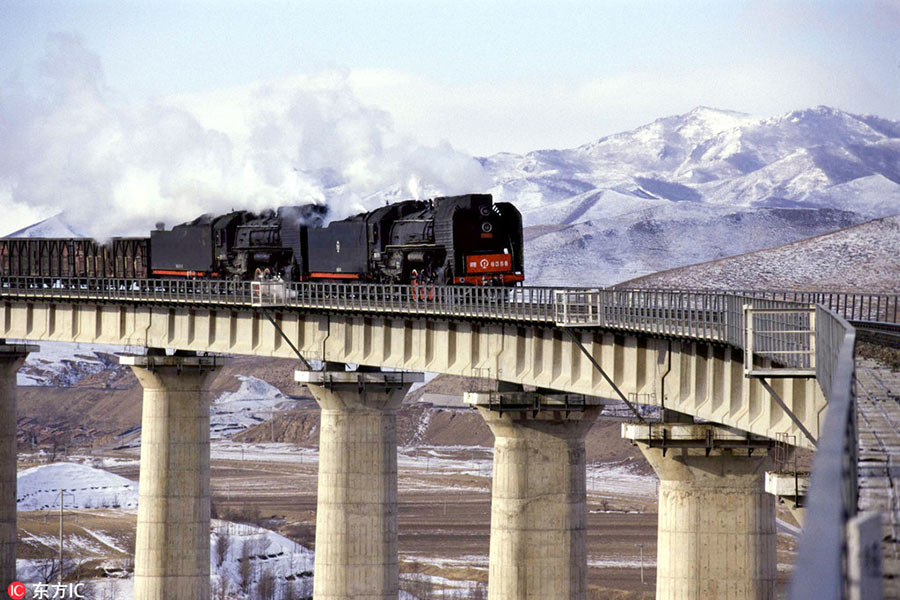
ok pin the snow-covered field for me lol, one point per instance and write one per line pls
(86, 488)
(269, 452)
(83, 487)
(271, 558)
(619, 480)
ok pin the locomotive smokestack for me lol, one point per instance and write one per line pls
(160, 226)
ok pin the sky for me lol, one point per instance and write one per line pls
(140, 106)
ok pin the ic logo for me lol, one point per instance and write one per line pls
(16, 590)
(484, 263)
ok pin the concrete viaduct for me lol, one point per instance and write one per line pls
(731, 372)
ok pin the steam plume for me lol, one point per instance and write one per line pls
(71, 143)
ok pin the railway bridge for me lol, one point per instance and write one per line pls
(730, 371)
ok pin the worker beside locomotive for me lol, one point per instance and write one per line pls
(452, 240)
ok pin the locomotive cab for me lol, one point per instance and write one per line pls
(486, 240)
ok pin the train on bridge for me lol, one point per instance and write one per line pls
(452, 240)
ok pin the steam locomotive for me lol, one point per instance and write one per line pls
(454, 240)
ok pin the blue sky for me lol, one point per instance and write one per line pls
(141, 108)
(660, 58)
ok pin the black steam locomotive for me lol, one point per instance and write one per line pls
(455, 240)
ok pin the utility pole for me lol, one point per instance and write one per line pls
(642, 563)
(59, 578)
(60, 574)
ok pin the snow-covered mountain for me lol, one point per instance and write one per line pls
(697, 187)
(799, 160)
(52, 227)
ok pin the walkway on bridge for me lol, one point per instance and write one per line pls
(878, 406)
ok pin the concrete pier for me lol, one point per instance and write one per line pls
(539, 498)
(11, 358)
(171, 558)
(356, 511)
(716, 535)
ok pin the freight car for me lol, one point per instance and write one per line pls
(81, 257)
(454, 240)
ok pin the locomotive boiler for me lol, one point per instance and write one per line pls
(455, 240)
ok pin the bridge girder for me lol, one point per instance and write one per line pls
(698, 378)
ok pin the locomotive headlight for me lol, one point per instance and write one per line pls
(485, 211)
(486, 227)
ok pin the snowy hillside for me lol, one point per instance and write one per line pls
(255, 402)
(66, 363)
(863, 257)
(272, 559)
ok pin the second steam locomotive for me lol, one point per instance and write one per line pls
(454, 240)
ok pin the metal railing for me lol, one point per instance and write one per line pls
(784, 335)
(852, 306)
(713, 316)
(267, 293)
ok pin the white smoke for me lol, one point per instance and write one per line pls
(70, 142)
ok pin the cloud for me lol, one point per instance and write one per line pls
(72, 143)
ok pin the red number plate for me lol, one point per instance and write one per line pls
(488, 263)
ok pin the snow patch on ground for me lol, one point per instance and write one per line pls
(617, 479)
(104, 539)
(620, 563)
(421, 428)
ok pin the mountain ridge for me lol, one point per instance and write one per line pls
(730, 182)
